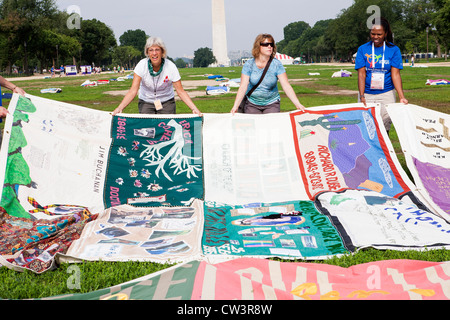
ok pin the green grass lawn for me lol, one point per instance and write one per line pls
(312, 91)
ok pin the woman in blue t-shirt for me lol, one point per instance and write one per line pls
(265, 99)
(379, 63)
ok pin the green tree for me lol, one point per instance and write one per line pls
(295, 30)
(203, 57)
(9, 26)
(307, 45)
(126, 55)
(349, 30)
(134, 38)
(97, 41)
(22, 21)
(180, 63)
(441, 20)
(412, 29)
(69, 48)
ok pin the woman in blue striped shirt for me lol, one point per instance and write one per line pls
(266, 98)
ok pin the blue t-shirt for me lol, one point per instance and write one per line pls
(392, 57)
(267, 91)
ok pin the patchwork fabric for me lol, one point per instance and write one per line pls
(425, 139)
(263, 279)
(79, 183)
(371, 219)
(155, 162)
(290, 230)
(344, 149)
(127, 233)
(34, 244)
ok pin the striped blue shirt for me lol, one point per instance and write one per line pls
(267, 91)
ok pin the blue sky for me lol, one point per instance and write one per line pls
(186, 25)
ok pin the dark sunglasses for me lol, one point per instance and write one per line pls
(266, 44)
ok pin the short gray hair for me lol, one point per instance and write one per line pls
(155, 41)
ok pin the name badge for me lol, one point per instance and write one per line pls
(377, 81)
(158, 105)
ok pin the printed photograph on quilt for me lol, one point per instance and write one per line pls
(343, 149)
(157, 234)
(155, 161)
(289, 230)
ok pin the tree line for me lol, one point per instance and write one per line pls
(417, 25)
(34, 35)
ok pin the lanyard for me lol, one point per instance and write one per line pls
(154, 75)
(373, 55)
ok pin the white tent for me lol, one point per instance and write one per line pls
(284, 58)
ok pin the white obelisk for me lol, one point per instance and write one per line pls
(219, 31)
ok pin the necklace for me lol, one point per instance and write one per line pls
(150, 68)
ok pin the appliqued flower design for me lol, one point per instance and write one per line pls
(154, 187)
(135, 145)
(122, 151)
(141, 194)
(133, 173)
(145, 173)
(131, 161)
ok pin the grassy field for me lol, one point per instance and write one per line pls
(312, 91)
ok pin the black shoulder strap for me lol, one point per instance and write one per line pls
(262, 77)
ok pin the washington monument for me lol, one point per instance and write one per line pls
(219, 32)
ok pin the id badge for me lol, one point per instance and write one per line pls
(158, 105)
(377, 81)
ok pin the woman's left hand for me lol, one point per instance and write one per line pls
(19, 91)
(3, 112)
(197, 112)
(404, 101)
(301, 107)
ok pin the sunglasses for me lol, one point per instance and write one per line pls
(266, 44)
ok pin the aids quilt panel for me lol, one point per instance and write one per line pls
(155, 161)
(302, 185)
(371, 219)
(54, 158)
(290, 229)
(156, 234)
(344, 149)
(263, 279)
(250, 159)
(60, 158)
(425, 140)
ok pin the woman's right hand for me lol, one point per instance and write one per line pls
(117, 110)
(234, 109)
(363, 100)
